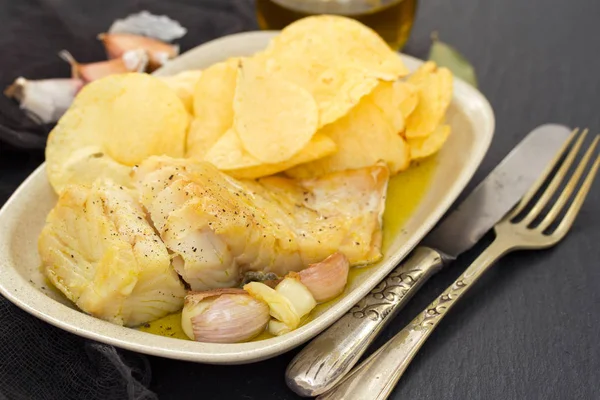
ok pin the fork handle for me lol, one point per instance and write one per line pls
(328, 357)
(377, 376)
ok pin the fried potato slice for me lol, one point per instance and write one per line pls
(201, 138)
(396, 100)
(384, 96)
(184, 84)
(113, 124)
(427, 146)
(229, 155)
(338, 41)
(363, 137)
(434, 86)
(409, 97)
(335, 89)
(273, 118)
(337, 59)
(213, 106)
(320, 146)
(338, 91)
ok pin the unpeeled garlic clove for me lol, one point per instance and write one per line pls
(223, 316)
(144, 23)
(131, 61)
(47, 99)
(326, 279)
(117, 44)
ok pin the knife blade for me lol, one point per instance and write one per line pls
(328, 357)
(497, 193)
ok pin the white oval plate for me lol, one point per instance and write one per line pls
(22, 218)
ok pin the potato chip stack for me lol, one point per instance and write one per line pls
(326, 95)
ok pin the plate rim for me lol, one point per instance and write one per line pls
(36, 303)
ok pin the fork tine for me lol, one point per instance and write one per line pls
(555, 182)
(573, 210)
(569, 188)
(543, 177)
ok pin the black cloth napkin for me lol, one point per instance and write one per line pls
(40, 361)
(37, 360)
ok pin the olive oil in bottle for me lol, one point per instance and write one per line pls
(391, 19)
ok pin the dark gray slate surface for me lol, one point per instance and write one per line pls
(530, 329)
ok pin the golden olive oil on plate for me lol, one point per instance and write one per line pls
(404, 194)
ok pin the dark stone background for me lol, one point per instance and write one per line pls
(529, 330)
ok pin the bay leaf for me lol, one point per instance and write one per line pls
(447, 56)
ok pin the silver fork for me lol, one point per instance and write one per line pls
(377, 376)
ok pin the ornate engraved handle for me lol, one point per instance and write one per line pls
(377, 376)
(325, 360)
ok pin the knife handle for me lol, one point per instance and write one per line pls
(328, 357)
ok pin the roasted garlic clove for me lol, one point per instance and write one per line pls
(278, 328)
(298, 294)
(288, 303)
(280, 306)
(326, 279)
(223, 316)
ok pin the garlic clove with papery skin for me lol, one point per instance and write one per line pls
(47, 99)
(326, 279)
(131, 61)
(117, 44)
(223, 316)
(146, 24)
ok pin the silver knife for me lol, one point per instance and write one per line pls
(332, 354)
